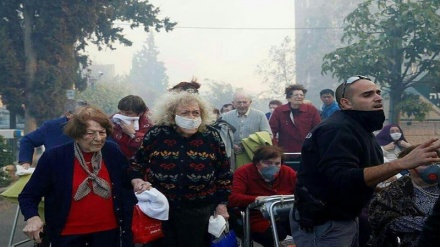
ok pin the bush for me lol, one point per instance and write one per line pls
(6, 158)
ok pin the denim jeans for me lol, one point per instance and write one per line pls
(331, 233)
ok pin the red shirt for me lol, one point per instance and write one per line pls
(129, 145)
(92, 213)
(248, 184)
(290, 134)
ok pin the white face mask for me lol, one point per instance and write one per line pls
(188, 123)
(395, 136)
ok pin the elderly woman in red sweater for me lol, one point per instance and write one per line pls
(81, 182)
(265, 176)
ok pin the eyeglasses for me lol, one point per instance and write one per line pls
(351, 80)
(297, 95)
(93, 134)
(192, 90)
(188, 113)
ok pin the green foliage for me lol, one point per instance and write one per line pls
(41, 45)
(316, 35)
(6, 158)
(105, 96)
(395, 42)
(148, 75)
(419, 111)
(278, 70)
(11, 76)
(217, 93)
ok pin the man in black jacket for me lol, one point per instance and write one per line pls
(341, 165)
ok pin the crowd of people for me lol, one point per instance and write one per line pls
(208, 162)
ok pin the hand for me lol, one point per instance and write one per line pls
(128, 128)
(259, 198)
(389, 146)
(140, 185)
(403, 143)
(382, 185)
(238, 148)
(26, 165)
(421, 155)
(33, 228)
(222, 210)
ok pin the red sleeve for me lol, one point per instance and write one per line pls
(144, 125)
(316, 118)
(274, 123)
(240, 182)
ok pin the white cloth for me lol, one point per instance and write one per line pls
(117, 118)
(217, 225)
(21, 171)
(154, 204)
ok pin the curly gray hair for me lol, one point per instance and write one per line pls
(164, 110)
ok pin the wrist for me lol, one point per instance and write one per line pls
(395, 166)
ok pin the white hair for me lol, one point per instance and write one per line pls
(164, 110)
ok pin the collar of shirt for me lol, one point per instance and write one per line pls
(332, 105)
(245, 115)
(302, 108)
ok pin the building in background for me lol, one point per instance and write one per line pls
(5, 118)
(318, 31)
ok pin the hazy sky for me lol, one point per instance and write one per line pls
(238, 36)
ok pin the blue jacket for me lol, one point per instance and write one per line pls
(52, 179)
(328, 110)
(50, 134)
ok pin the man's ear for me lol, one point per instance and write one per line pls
(345, 104)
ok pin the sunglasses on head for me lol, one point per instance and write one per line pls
(352, 80)
(192, 90)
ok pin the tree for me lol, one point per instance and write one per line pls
(147, 74)
(278, 70)
(6, 158)
(54, 35)
(106, 96)
(11, 65)
(317, 34)
(218, 93)
(396, 43)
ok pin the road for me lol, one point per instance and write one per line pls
(7, 216)
(8, 211)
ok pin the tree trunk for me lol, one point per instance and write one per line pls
(31, 64)
(12, 119)
(394, 112)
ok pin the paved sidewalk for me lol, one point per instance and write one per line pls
(8, 209)
(7, 215)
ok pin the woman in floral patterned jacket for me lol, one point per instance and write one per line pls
(185, 159)
(397, 213)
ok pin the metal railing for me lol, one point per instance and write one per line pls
(270, 207)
